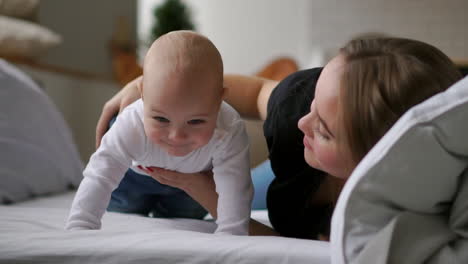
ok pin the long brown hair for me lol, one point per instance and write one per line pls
(382, 78)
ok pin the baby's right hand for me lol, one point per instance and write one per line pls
(115, 105)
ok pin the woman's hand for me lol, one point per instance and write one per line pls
(200, 186)
(115, 105)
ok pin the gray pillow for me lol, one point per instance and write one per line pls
(37, 152)
(407, 201)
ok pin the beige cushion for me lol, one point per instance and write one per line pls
(19, 8)
(25, 39)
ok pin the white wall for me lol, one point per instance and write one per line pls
(251, 32)
(248, 33)
(440, 23)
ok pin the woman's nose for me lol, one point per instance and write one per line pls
(305, 125)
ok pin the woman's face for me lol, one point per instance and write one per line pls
(322, 150)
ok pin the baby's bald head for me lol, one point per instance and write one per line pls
(185, 56)
(182, 91)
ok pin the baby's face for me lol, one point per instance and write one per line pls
(180, 113)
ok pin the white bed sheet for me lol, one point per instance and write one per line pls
(32, 232)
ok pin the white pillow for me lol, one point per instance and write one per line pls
(19, 38)
(37, 154)
(407, 201)
(19, 8)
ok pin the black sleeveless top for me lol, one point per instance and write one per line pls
(288, 196)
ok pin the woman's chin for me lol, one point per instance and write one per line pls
(311, 161)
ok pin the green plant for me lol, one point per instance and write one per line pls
(169, 16)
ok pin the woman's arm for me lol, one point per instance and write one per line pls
(249, 94)
(201, 187)
(259, 229)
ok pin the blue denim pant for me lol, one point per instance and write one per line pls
(262, 175)
(141, 194)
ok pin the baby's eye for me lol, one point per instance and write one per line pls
(196, 122)
(161, 119)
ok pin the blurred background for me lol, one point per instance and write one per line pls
(82, 52)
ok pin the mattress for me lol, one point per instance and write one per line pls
(32, 232)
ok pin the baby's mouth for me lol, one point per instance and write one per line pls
(177, 145)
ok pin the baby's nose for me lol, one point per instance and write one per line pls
(177, 134)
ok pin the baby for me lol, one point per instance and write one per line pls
(180, 123)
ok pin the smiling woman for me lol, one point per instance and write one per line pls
(343, 110)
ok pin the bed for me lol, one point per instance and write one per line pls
(32, 232)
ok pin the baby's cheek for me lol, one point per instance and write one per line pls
(201, 137)
(153, 134)
(204, 137)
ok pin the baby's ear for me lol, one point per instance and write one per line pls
(139, 84)
(224, 92)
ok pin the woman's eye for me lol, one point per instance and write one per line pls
(161, 119)
(196, 122)
(319, 132)
(324, 136)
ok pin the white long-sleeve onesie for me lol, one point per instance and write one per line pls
(126, 145)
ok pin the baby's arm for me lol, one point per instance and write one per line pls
(231, 172)
(105, 170)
